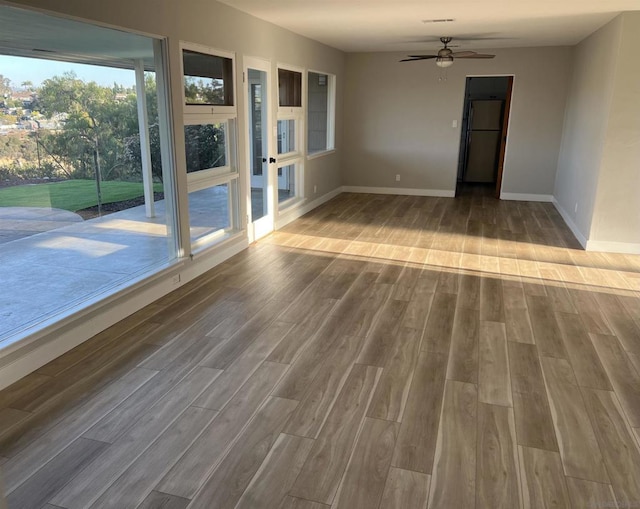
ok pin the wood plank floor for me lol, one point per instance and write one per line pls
(379, 352)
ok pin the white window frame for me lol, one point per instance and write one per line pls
(295, 158)
(231, 168)
(298, 135)
(331, 115)
(228, 174)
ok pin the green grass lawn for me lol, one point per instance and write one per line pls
(70, 195)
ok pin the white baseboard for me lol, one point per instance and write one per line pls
(613, 247)
(526, 197)
(569, 222)
(289, 215)
(34, 351)
(596, 245)
(405, 191)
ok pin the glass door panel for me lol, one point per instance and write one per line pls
(258, 142)
(261, 200)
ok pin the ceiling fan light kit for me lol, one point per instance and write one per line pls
(445, 57)
(444, 61)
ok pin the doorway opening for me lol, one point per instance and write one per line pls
(483, 140)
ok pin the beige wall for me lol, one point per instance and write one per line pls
(398, 119)
(216, 25)
(585, 125)
(616, 216)
(599, 164)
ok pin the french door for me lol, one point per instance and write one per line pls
(260, 206)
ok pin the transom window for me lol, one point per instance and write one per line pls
(208, 79)
(289, 88)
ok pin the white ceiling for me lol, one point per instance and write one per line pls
(396, 25)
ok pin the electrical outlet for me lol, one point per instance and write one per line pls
(575, 209)
(398, 177)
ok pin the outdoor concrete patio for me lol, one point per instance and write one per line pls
(54, 270)
(20, 222)
(51, 272)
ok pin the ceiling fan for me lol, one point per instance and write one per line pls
(445, 56)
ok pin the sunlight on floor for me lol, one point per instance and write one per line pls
(531, 271)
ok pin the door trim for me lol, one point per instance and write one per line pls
(503, 137)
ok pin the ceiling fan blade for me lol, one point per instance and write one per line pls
(416, 58)
(422, 56)
(463, 54)
(477, 55)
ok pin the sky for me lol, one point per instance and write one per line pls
(20, 69)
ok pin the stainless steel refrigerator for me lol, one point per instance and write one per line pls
(484, 130)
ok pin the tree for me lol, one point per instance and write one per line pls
(199, 91)
(5, 86)
(205, 146)
(94, 128)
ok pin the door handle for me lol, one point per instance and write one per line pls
(272, 160)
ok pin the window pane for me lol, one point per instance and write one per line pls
(209, 211)
(208, 79)
(286, 182)
(290, 88)
(286, 136)
(205, 146)
(318, 112)
(84, 205)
